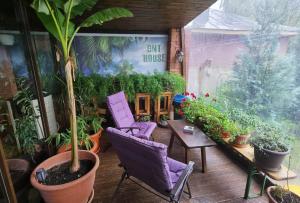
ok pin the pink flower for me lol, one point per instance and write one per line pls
(207, 94)
(186, 94)
(183, 100)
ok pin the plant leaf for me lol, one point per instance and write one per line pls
(80, 6)
(48, 23)
(106, 15)
(40, 6)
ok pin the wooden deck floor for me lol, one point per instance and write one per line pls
(224, 182)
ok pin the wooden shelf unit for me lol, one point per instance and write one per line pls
(163, 108)
(139, 111)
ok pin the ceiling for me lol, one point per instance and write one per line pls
(150, 16)
(154, 15)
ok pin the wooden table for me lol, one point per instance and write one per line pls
(190, 141)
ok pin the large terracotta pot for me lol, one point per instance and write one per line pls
(95, 138)
(77, 191)
(269, 160)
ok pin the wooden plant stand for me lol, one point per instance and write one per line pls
(162, 108)
(140, 109)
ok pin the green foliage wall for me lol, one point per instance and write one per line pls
(100, 86)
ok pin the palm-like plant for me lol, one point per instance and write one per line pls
(57, 16)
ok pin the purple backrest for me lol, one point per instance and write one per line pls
(143, 159)
(120, 110)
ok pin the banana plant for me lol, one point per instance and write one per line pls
(58, 16)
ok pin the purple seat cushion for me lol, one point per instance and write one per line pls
(175, 168)
(123, 117)
(146, 129)
(146, 160)
(120, 110)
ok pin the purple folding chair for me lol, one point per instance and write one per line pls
(147, 161)
(123, 117)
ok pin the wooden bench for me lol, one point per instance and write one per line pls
(247, 153)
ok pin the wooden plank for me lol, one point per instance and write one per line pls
(248, 154)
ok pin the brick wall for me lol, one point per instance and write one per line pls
(174, 44)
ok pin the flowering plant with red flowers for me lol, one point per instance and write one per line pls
(185, 104)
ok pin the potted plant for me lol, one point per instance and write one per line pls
(279, 194)
(271, 146)
(144, 118)
(76, 168)
(164, 121)
(89, 131)
(240, 136)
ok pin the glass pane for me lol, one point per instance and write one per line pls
(245, 57)
(19, 126)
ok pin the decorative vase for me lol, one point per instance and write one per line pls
(78, 191)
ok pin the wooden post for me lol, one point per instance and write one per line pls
(6, 178)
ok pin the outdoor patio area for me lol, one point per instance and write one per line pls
(150, 101)
(224, 181)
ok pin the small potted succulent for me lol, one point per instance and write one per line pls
(164, 121)
(271, 146)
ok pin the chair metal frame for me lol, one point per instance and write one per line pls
(172, 196)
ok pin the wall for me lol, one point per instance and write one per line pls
(174, 44)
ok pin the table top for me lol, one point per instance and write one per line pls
(189, 140)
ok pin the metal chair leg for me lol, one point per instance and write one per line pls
(189, 189)
(118, 186)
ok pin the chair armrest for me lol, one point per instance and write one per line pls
(178, 188)
(129, 129)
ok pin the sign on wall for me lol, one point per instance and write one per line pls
(121, 53)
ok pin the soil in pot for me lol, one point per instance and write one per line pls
(286, 197)
(61, 174)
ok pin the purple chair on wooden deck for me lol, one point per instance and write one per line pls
(147, 161)
(123, 117)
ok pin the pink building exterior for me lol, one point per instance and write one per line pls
(212, 47)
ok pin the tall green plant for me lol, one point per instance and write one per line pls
(57, 16)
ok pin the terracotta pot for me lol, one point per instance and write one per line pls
(225, 135)
(241, 141)
(95, 138)
(96, 141)
(271, 199)
(77, 191)
(269, 160)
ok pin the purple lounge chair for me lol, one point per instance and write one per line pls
(147, 161)
(123, 117)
